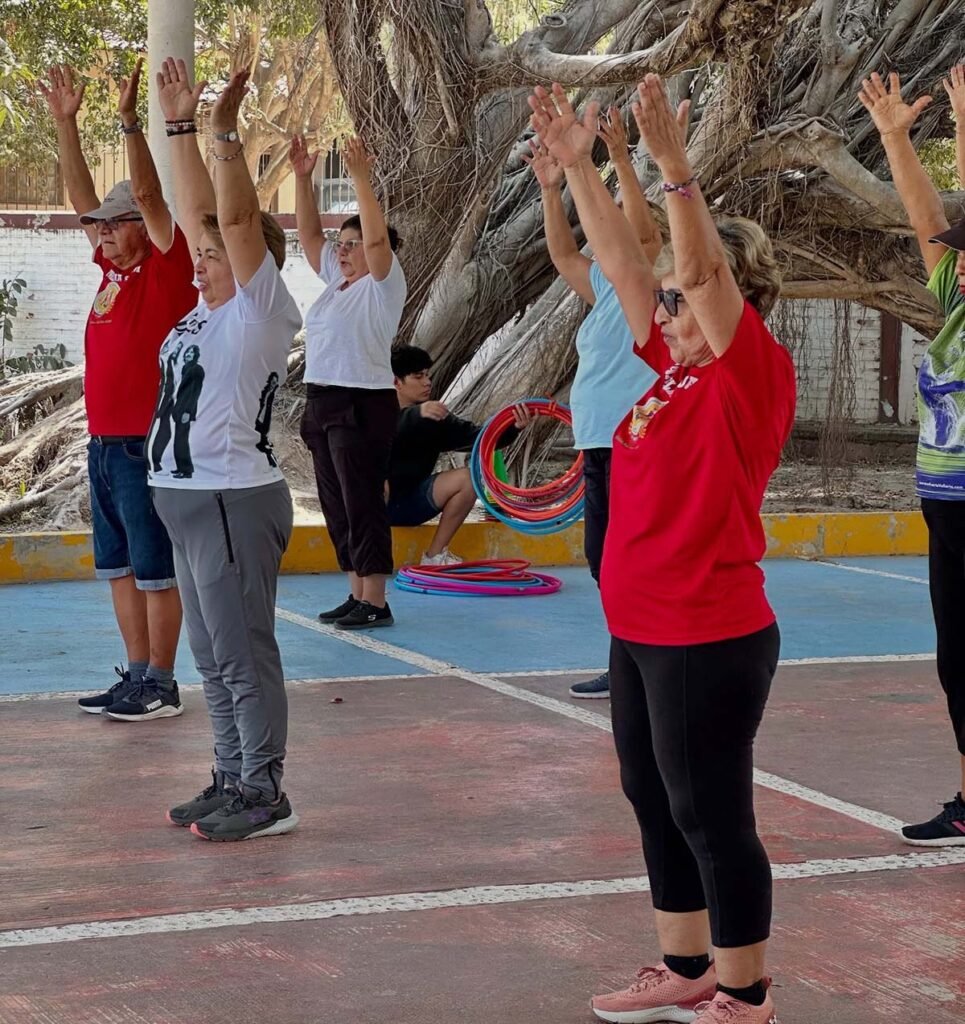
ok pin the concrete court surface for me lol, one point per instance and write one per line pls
(465, 853)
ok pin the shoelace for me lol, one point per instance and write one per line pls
(125, 678)
(719, 1009)
(954, 810)
(647, 978)
(238, 803)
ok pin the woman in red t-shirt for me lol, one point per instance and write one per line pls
(694, 642)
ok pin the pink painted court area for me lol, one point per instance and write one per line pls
(465, 853)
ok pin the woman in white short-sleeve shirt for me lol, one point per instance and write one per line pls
(216, 482)
(351, 409)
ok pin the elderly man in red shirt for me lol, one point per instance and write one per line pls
(146, 288)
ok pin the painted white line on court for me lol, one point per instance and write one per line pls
(579, 714)
(474, 896)
(16, 698)
(866, 572)
(850, 659)
(856, 659)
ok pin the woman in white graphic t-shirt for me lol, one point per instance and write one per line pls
(352, 410)
(218, 488)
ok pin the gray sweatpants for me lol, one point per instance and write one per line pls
(227, 551)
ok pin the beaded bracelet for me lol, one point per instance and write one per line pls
(132, 129)
(683, 189)
(234, 156)
(186, 129)
(179, 122)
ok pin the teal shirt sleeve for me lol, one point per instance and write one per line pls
(943, 284)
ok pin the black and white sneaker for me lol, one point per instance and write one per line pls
(247, 816)
(599, 687)
(220, 792)
(336, 613)
(365, 616)
(145, 702)
(945, 829)
(96, 705)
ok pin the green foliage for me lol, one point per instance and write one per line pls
(938, 156)
(100, 38)
(10, 291)
(40, 358)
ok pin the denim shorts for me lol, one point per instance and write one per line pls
(415, 507)
(128, 535)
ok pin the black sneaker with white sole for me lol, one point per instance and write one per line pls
(146, 702)
(945, 829)
(247, 816)
(599, 687)
(97, 704)
(336, 613)
(365, 616)
(221, 791)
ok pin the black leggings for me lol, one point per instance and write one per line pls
(349, 432)
(946, 581)
(684, 721)
(596, 505)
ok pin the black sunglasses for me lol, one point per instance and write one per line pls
(670, 299)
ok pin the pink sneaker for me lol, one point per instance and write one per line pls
(724, 1009)
(657, 995)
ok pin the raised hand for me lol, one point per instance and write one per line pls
(613, 132)
(955, 87)
(128, 88)
(303, 162)
(179, 99)
(547, 171)
(888, 110)
(663, 132)
(358, 160)
(560, 131)
(63, 99)
(224, 113)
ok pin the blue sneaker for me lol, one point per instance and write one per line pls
(599, 687)
(98, 704)
(147, 701)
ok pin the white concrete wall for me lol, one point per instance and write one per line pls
(61, 282)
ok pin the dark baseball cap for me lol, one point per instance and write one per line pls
(954, 237)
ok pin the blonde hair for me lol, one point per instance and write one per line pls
(270, 228)
(750, 257)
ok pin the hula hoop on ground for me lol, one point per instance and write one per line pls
(488, 578)
(544, 509)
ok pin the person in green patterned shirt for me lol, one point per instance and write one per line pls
(940, 468)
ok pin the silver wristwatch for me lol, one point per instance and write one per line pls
(231, 136)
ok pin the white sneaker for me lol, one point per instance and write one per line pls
(445, 557)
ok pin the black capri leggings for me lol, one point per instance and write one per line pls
(684, 721)
(349, 432)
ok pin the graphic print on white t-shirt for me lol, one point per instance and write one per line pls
(349, 330)
(220, 371)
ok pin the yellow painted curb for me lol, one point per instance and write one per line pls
(30, 557)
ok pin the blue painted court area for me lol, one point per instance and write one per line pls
(61, 636)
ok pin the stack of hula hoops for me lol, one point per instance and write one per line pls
(544, 509)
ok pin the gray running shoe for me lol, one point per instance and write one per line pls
(220, 792)
(247, 817)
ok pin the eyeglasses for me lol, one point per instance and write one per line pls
(111, 222)
(350, 244)
(670, 299)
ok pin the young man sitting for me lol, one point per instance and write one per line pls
(416, 494)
